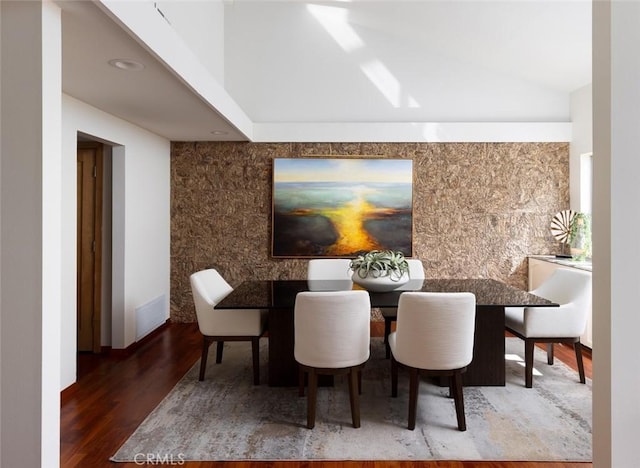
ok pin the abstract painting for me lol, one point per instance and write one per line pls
(338, 207)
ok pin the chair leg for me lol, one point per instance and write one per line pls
(353, 397)
(219, 348)
(456, 380)
(394, 377)
(387, 332)
(414, 382)
(578, 348)
(206, 342)
(528, 362)
(311, 398)
(550, 354)
(255, 351)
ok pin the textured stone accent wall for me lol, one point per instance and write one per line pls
(479, 208)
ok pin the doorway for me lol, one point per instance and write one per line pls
(89, 245)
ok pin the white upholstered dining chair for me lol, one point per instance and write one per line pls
(329, 269)
(208, 288)
(571, 288)
(434, 336)
(332, 336)
(416, 272)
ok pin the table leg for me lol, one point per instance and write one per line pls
(488, 365)
(283, 369)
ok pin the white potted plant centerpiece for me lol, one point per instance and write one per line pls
(380, 270)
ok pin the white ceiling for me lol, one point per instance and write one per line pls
(453, 60)
(407, 61)
(154, 98)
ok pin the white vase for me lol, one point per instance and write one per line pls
(380, 284)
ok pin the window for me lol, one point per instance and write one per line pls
(586, 182)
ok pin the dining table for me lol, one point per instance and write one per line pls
(492, 296)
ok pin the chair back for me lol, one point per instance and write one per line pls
(435, 330)
(416, 275)
(416, 270)
(566, 285)
(332, 328)
(329, 269)
(208, 288)
(571, 288)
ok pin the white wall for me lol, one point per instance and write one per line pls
(30, 236)
(141, 220)
(581, 138)
(616, 292)
(435, 132)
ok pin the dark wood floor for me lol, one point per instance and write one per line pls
(115, 393)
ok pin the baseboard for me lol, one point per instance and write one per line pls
(68, 392)
(133, 347)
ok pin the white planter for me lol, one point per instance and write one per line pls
(381, 284)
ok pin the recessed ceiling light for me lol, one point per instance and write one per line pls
(126, 64)
(218, 132)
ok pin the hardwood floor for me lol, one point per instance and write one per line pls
(114, 394)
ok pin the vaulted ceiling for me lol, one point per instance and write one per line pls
(359, 61)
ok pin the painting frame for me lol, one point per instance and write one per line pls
(339, 206)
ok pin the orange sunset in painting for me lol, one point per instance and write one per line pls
(339, 207)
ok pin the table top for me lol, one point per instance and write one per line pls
(281, 294)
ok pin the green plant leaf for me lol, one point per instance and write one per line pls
(380, 263)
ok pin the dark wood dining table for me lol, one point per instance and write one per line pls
(492, 296)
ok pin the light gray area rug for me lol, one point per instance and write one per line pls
(227, 418)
